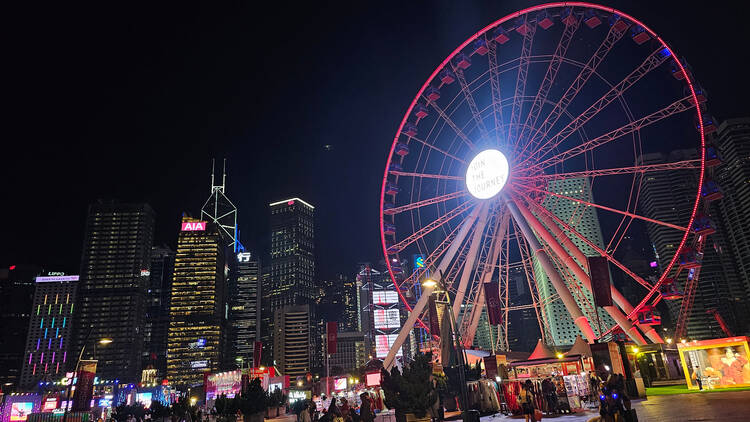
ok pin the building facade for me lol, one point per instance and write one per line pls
(350, 353)
(157, 310)
(380, 313)
(196, 337)
(294, 339)
(292, 261)
(244, 308)
(112, 292)
(46, 357)
(16, 298)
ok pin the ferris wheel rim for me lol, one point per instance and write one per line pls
(688, 80)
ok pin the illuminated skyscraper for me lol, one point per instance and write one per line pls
(157, 309)
(115, 267)
(16, 296)
(48, 338)
(294, 341)
(244, 308)
(197, 324)
(292, 264)
(380, 312)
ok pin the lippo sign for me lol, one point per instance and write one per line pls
(195, 226)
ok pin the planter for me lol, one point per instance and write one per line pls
(411, 417)
(255, 417)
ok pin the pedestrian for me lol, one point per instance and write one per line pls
(346, 412)
(526, 399)
(366, 413)
(697, 377)
(306, 414)
(334, 413)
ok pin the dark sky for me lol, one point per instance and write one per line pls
(128, 102)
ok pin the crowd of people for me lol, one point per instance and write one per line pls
(340, 411)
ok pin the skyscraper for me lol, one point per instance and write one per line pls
(244, 308)
(16, 297)
(733, 211)
(668, 198)
(113, 288)
(197, 324)
(292, 264)
(294, 342)
(157, 309)
(46, 357)
(380, 312)
(563, 330)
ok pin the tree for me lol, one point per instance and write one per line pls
(159, 411)
(412, 391)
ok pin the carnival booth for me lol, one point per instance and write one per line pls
(560, 381)
(716, 363)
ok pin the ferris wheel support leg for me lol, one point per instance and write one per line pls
(562, 289)
(652, 334)
(576, 269)
(471, 258)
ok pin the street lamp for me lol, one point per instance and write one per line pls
(435, 286)
(103, 341)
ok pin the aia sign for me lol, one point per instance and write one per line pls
(195, 226)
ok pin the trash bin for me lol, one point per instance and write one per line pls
(472, 415)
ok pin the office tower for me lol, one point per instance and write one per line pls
(339, 301)
(112, 292)
(46, 358)
(561, 327)
(733, 211)
(668, 198)
(197, 324)
(523, 326)
(292, 263)
(380, 312)
(294, 339)
(244, 309)
(266, 318)
(16, 297)
(157, 310)
(220, 210)
(350, 353)
(351, 303)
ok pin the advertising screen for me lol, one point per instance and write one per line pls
(199, 364)
(224, 383)
(145, 399)
(717, 363)
(373, 379)
(105, 402)
(50, 404)
(383, 343)
(339, 384)
(384, 297)
(19, 411)
(386, 318)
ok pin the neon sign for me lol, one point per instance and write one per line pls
(57, 278)
(194, 226)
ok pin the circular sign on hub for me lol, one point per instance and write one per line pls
(487, 174)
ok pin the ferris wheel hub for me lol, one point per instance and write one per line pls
(487, 174)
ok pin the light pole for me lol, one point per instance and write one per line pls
(437, 287)
(103, 342)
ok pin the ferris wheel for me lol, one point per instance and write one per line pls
(530, 149)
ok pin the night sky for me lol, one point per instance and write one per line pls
(127, 102)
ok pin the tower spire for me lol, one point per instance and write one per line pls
(213, 165)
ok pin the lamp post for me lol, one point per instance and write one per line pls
(437, 287)
(103, 342)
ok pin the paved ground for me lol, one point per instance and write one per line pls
(718, 406)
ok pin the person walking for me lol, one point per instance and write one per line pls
(526, 400)
(366, 414)
(306, 414)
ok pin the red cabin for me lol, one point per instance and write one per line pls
(389, 228)
(410, 129)
(522, 26)
(618, 23)
(392, 188)
(591, 18)
(703, 226)
(432, 93)
(711, 191)
(669, 290)
(480, 47)
(420, 111)
(712, 157)
(446, 76)
(401, 149)
(639, 35)
(690, 258)
(708, 124)
(463, 61)
(699, 93)
(567, 16)
(647, 316)
(501, 35)
(678, 73)
(544, 19)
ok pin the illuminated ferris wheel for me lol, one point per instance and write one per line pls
(531, 149)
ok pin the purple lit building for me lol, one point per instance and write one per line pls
(46, 356)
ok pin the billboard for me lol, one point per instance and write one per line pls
(384, 297)
(84, 391)
(19, 411)
(57, 278)
(226, 383)
(372, 379)
(383, 343)
(386, 318)
(50, 404)
(144, 399)
(194, 226)
(339, 384)
(716, 363)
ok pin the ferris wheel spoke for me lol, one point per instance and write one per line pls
(549, 75)
(428, 145)
(450, 123)
(646, 168)
(575, 87)
(471, 259)
(523, 70)
(470, 101)
(653, 61)
(398, 247)
(425, 202)
(426, 175)
(676, 107)
(497, 99)
(602, 207)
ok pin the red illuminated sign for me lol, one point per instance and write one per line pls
(194, 226)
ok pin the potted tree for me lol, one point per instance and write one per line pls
(411, 394)
(252, 402)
